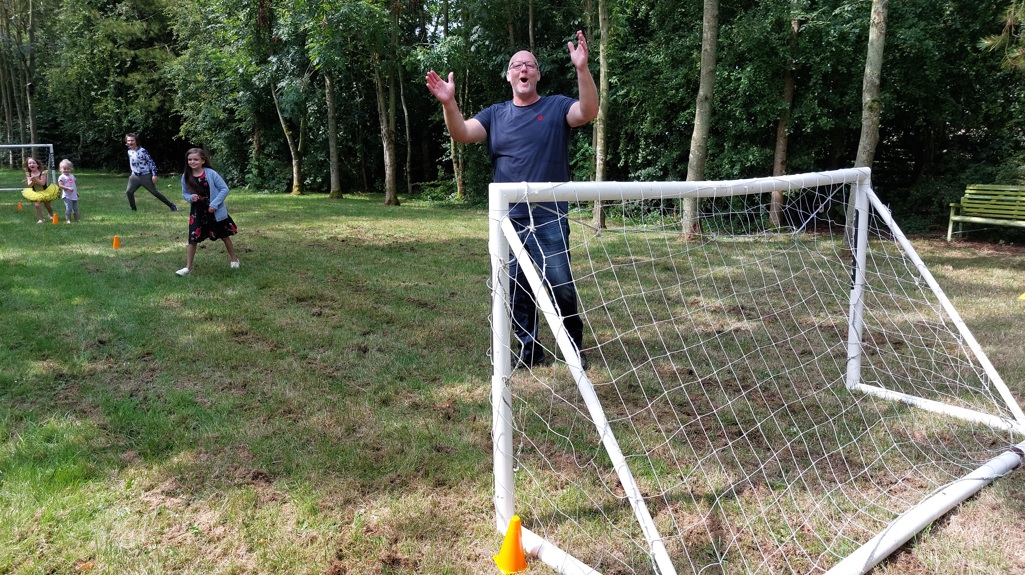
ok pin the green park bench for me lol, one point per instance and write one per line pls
(989, 204)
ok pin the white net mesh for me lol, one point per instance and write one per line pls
(720, 364)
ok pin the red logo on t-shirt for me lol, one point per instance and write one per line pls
(540, 117)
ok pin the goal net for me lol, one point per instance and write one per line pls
(777, 393)
(12, 159)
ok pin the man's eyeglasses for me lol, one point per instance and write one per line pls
(530, 66)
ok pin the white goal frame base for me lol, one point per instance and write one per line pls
(503, 241)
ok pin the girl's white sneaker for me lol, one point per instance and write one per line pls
(234, 265)
(183, 272)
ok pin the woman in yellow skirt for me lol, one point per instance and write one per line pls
(38, 191)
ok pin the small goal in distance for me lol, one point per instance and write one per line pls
(15, 154)
(780, 393)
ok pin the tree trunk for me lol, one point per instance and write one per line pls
(779, 160)
(391, 197)
(29, 88)
(391, 178)
(5, 99)
(364, 177)
(510, 17)
(332, 135)
(871, 103)
(257, 152)
(293, 147)
(409, 137)
(397, 49)
(14, 66)
(456, 149)
(691, 223)
(457, 167)
(30, 71)
(6, 86)
(603, 108)
(19, 104)
(530, 25)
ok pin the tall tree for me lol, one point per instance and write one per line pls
(332, 135)
(384, 58)
(6, 102)
(105, 77)
(293, 126)
(871, 103)
(30, 72)
(703, 113)
(779, 159)
(601, 122)
(396, 18)
(8, 83)
(340, 46)
(14, 21)
(384, 88)
(289, 77)
(451, 50)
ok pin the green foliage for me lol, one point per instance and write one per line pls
(952, 107)
(653, 94)
(923, 207)
(217, 87)
(443, 189)
(206, 73)
(1008, 42)
(104, 78)
(342, 38)
(477, 175)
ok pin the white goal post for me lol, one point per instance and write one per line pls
(774, 394)
(17, 153)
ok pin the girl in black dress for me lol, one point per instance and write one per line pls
(206, 191)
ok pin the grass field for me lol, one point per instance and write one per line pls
(322, 410)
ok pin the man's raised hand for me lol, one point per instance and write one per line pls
(444, 91)
(578, 53)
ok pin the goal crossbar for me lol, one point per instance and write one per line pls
(597, 191)
(504, 244)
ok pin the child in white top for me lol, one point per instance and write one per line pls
(69, 190)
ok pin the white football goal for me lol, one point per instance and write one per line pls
(14, 156)
(775, 393)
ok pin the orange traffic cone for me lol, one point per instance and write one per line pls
(117, 242)
(19, 206)
(55, 219)
(512, 558)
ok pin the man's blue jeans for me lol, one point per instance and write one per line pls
(547, 244)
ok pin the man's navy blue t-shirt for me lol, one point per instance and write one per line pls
(530, 144)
